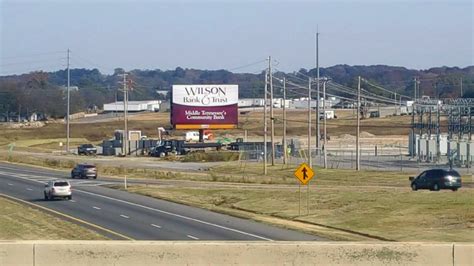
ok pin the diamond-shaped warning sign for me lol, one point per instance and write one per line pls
(304, 173)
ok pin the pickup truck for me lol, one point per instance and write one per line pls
(86, 149)
(180, 147)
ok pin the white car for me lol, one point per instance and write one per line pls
(56, 189)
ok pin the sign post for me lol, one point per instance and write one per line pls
(304, 174)
(10, 150)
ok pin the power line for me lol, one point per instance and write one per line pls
(381, 88)
(31, 55)
(248, 65)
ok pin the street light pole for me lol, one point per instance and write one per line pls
(285, 154)
(358, 128)
(325, 132)
(265, 125)
(318, 134)
(68, 102)
(310, 160)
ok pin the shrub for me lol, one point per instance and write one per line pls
(217, 156)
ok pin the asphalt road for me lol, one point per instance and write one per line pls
(135, 216)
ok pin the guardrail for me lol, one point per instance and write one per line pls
(91, 253)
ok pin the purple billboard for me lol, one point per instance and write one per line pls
(204, 106)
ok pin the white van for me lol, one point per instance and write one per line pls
(194, 136)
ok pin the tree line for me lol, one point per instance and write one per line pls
(45, 92)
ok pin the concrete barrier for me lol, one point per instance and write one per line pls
(16, 253)
(91, 253)
(463, 254)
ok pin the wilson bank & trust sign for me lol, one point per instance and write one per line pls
(204, 106)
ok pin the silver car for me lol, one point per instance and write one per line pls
(84, 171)
(57, 189)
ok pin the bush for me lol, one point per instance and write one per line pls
(217, 156)
(52, 162)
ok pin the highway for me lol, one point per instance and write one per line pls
(133, 216)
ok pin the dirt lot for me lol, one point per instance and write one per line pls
(342, 128)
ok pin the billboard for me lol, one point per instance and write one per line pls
(204, 106)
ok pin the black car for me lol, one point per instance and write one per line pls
(436, 179)
(86, 149)
(84, 171)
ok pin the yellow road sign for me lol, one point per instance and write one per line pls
(304, 173)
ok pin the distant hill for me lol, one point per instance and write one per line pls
(41, 91)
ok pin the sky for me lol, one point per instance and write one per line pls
(233, 35)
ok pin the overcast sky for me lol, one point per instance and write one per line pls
(229, 34)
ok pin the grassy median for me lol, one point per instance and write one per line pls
(20, 222)
(373, 203)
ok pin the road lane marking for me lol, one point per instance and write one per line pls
(166, 212)
(72, 200)
(44, 179)
(29, 189)
(97, 208)
(124, 216)
(192, 237)
(67, 216)
(177, 215)
(10, 184)
(157, 226)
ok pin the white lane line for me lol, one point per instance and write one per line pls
(97, 208)
(72, 200)
(44, 179)
(10, 184)
(168, 213)
(176, 215)
(124, 216)
(192, 237)
(29, 189)
(154, 225)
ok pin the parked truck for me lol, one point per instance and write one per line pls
(180, 147)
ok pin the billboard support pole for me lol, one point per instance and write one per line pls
(201, 135)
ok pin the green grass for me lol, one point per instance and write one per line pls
(20, 222)
(389, 210)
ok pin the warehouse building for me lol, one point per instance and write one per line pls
(133, 106)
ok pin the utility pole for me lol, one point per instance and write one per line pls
(358, 128)
(438, 132)
(395, 104)
(125, 112)
(461, 89)
(325, 131)
(414, 150)
(285, 153)
(272, 119)
(310, 160)
(318, 134)
(414, 89)
(413, 141)
(68, 103)
(265, 125)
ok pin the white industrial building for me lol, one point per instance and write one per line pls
(133, 106)
(251, 102)
(300, 103)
